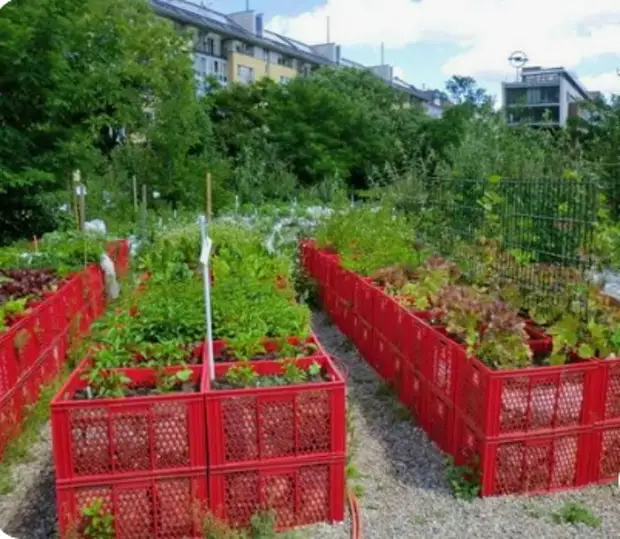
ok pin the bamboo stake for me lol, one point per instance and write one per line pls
(208, 193)
(135, 194)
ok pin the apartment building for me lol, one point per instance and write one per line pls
(544, 97)
(237, 48)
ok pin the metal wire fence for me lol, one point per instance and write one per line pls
(544, 228)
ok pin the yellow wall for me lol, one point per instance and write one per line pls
(236, 59)
(275, 71)
(261, 68)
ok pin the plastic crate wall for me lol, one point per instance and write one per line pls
(254, 425)
(525, 464)
(301, 492)
(132, 435)
(531, 400)
(158, 506)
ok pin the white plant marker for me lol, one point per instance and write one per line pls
(205, 253)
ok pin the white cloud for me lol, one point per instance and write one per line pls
(608, 83)
(551, 32)
(399, 72)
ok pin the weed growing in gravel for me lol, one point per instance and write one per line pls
(262, 526)
(18, 450)
(576, 513)
(463, 480)
(98, 523)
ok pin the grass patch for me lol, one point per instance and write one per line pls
(18, 450)
(576, 513)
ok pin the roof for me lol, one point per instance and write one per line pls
(569, 75)
(209, 19)
(190, 13)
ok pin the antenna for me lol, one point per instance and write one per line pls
(382, 53)
(517, 60)
(247, 5)
(328, 31)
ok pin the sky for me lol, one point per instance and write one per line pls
(428, 41)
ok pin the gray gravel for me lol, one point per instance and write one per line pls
(401, 478)
(405, 495)
(29, 510)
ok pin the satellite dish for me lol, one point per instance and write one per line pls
(518, 59)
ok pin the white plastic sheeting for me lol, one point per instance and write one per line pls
(109, 272)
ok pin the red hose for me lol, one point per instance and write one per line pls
(357, 532)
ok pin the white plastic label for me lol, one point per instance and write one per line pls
(205, 252)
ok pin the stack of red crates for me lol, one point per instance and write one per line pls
(277, 448)
(527, 430)
(143, 457)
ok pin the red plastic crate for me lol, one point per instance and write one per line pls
(343, 282)
(525, 464)
(440, 362)
(158, 506)
(609, 400)
(529, 400)
(324, 264)
(388, 319)
(386, 359)
(11, 416)
(437, 418)
(127, 436)
(605, 453)
(416, 335)
(253, 425)
(365, 294)
(363, 337)
(26, 392)
(412, 391)
(304, 492)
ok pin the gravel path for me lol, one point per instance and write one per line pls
(405, 495)
(402, 490)
(29, 510)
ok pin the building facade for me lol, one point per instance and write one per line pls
(544, 97)
(237, 48)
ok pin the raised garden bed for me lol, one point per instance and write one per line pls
(568, 411)
(129, 435)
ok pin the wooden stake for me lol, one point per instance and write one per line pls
(135, 194)
(209, 196)
(36, 244)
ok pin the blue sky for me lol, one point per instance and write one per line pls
(429, 40)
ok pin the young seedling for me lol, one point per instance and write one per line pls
(98, 523)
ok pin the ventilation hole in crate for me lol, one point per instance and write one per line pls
(134, 514)
(175, 503)
(314, 487)
(277, 428)
(241, 492)
(609, 464)
(314, 421)
(171, 432)
(90, 441)
(239, 425)
(279, 496)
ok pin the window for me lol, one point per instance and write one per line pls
(216, 66)
(210, 45)
(280, 61)
(245, 73)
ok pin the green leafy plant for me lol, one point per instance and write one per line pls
(241, 375)
(463, 480)
(166, 381)
(576, 513)
(97, 521)
(106, 383)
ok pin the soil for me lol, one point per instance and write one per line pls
(144, 391)
(227, 354)
(272, 381)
